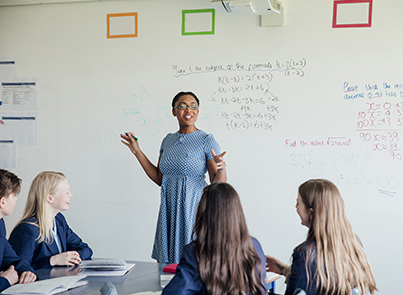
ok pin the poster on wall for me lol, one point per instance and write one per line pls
(8, 68)
(18, 112)
(8, 153)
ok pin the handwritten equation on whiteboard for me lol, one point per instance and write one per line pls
(352, 166)
(380, 121)
(243, 98)
(308, 159)
(148, 109)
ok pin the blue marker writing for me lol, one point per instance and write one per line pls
(135, 138)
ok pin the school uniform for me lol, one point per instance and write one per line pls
(8, 257)
(23, 239)
(187, 279)
(298, 277)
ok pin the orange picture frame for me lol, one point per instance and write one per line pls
(129, 35)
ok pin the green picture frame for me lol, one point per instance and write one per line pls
(209, 10)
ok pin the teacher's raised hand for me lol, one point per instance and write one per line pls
(219, 160)
(130, 141)
(220, 172)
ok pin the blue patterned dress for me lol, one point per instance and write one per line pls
(183, 166)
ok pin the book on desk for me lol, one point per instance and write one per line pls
(47, 287)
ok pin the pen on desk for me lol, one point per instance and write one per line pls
(135, 138)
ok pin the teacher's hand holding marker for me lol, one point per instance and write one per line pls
(152, 171)
(134, 137)
(184, 159)
(131, 141)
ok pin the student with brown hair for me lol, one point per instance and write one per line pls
(13, 269)
(331, 261)
(223, 258)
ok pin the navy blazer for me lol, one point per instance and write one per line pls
(187, 279)
(23, 239)
(8, 257)
(298, 278)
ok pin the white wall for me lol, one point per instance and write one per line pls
(88, 84)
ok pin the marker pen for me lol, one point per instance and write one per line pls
(135, 138)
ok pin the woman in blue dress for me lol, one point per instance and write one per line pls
(185, 158)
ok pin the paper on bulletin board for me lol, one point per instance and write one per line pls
(8, 68)
(7, 153)
(23, 126)
(18, 95)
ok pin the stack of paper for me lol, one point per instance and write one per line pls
(103, 264)
(149, 293)
(168, 272)
(165, 279)
(105, 267)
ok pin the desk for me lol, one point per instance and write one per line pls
(271, 277)
(144, 277)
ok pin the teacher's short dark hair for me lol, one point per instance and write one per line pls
(182, 93)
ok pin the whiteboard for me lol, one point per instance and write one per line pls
(287, 104)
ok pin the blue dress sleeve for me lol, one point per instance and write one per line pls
(186, 280)
(163, 144)
(211, 144)
(73, 241)
(298, 278)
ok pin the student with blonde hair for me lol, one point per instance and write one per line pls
(223, 259)
(332, 260)
(42, 236)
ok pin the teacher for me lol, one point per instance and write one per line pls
(185, 157)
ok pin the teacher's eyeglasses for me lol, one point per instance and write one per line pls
(184, 106)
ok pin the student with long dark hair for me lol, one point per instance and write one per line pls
(223, 258)
(331, 261)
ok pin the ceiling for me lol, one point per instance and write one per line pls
(36, 2)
